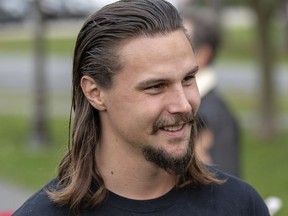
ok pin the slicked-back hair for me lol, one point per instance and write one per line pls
(96, 54)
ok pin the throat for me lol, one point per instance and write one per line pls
(141, 186)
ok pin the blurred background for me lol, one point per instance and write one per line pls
(36, 48)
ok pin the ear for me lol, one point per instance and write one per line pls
(203, 55)
(92, 92)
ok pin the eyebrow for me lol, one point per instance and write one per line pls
(155, 81)
(193, 71)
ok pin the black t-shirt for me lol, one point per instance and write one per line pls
(233, 198)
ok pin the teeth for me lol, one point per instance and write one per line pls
(172, 128)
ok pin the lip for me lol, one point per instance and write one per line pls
(178, 133)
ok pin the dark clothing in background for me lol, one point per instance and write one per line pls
(217, 117)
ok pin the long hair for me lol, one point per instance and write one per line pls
(81, 186)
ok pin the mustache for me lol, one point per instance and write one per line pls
(177, 119)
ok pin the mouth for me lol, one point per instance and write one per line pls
(173, 128)
(173, 125)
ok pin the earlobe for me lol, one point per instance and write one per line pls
(92, 92)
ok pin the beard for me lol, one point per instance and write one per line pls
(176, 165)
(166, 161)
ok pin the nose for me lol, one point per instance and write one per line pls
(179, 101)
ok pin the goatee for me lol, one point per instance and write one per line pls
(174, 165)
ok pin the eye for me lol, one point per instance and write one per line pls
(154, 89)
(158, 86)
(188, 80)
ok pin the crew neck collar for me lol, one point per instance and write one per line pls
(150, 205)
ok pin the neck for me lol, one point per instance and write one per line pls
(130, 175)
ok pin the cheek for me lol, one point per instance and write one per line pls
(194, 99)
(144, 114)
(196, 103)
(130, 110)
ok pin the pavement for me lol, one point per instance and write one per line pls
(12, 196)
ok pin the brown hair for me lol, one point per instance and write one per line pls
(80, 183)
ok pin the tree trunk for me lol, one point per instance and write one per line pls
(39, 137)
(286, 26)
(267, 125)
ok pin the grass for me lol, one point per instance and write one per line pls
(265, 165)
(241, 44)
(250, 102)
(238, 44)
(264, 161)
(53, 45)
(20, 165)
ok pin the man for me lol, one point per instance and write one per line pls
(135, 98)
(219, 134)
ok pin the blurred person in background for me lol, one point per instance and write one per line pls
(135, 99)
(219, 132)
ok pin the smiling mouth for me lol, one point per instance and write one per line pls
(175, 124)
(173, 128)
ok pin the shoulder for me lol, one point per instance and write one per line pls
(238, 194)
(213, 99)
(40, 204)
(232, 185)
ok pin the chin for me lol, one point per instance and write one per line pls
(177, 148)
(174, 160)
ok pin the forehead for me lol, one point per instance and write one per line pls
(170, 52)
